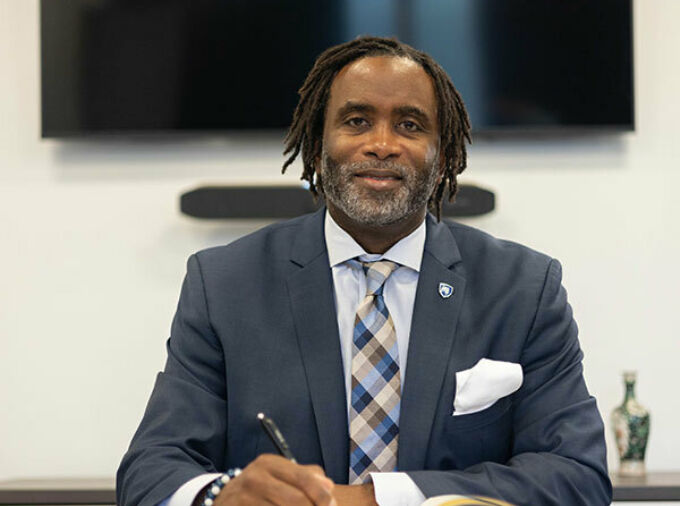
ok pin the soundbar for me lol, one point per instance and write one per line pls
(279, 202)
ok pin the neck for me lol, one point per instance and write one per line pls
(377, 239)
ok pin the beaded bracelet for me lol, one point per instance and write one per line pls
(216, 486)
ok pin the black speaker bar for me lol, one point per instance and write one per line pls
(279, 202)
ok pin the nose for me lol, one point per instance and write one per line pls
(382, 143)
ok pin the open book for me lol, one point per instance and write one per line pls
(463, 500)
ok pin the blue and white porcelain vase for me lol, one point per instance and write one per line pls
(630, 422)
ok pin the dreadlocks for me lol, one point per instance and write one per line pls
(306, 131)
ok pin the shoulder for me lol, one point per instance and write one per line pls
(269, 244)
(472, 241)
(487, 256)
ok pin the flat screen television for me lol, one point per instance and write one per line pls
(208, 66)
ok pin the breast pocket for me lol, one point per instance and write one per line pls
(485, 436)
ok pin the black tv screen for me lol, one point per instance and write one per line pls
(196, 66)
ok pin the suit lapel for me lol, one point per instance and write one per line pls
(432, 335)
(313, 307)
(431, 339)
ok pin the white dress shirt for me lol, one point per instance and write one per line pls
(399, 293)
(349, 283)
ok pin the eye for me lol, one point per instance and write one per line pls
(357, 122)
(410, 126)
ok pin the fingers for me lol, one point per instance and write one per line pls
(309, 479)
(271, 478)
(281, 493)
(313, 468)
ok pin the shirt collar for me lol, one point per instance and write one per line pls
(342, 247)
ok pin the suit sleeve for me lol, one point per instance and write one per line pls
(182, 433)
(558, 451)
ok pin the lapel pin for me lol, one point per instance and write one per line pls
(445, 290)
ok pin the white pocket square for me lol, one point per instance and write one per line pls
(482, 385)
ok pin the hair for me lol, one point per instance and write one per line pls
(306, 131)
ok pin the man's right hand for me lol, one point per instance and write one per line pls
(271, 479)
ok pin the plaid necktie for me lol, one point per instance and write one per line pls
(376, 392)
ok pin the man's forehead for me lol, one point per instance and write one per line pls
(384, 77)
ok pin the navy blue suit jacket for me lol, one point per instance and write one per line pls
(256, 330)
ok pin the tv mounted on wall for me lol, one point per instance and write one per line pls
(135, 67)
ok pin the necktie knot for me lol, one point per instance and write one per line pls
(376, 274)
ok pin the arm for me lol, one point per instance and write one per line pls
(558, 451)
(183, 432)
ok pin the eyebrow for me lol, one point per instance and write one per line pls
(350, 107)
(402, 110)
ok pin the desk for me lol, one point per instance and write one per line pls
(58, 491)
(658, 486)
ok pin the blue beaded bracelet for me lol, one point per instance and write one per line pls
(216, 486)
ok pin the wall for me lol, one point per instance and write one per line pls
(94, 248)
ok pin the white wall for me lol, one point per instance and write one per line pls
(93, 252)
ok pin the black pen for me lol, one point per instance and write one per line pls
(275, 435)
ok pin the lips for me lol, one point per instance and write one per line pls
(378, 180)
(378, 174)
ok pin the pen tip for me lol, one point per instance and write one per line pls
(260, 416)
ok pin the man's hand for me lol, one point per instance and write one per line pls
(271, 479)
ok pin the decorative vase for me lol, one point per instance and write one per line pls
(630, 422)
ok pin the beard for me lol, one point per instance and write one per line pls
(376, 208)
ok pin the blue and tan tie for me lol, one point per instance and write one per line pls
(376, 390)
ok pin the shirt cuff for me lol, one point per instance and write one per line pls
(396, 489)
(185, 495)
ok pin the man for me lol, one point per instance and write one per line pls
(401, 357)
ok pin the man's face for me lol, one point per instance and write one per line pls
(380, 155)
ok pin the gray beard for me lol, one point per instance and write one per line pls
(376, 208)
